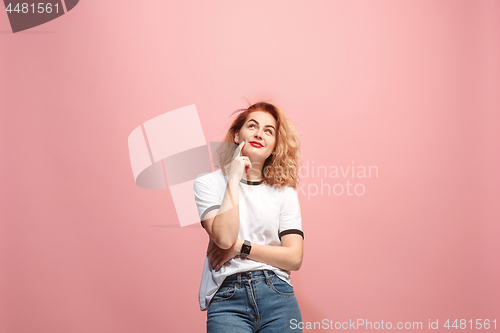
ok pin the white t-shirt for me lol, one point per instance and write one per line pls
(266, 214)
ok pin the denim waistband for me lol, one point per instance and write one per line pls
(251, 275)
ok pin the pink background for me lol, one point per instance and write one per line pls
(411, 87)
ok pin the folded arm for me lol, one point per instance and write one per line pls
(288, 256)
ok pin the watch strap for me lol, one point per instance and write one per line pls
(245, 249)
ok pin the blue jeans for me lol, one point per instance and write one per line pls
(257, 301)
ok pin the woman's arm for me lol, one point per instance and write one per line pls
(223, 225)
(288, 256)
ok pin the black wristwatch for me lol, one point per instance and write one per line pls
(245, 249)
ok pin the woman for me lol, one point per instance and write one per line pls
(250, 210)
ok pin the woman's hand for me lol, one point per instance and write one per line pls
(217, 257)
(239, 163)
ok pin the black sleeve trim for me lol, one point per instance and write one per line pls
(206, 211)
(291, 231)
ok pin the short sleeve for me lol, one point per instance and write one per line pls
(206, 196)
(290, 217)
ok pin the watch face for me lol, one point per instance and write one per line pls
(245, 249)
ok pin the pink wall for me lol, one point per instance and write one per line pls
(411, 87)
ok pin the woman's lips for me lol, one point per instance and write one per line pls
(256, 145)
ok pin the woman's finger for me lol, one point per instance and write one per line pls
(238, 150)
(215, 264)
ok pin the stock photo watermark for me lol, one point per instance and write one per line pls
(328, 324)
(154, 159)
(24, 15)
(332, 180)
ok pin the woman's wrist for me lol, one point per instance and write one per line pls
(232, 179)
(237, 247)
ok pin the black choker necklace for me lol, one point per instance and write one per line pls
(252, 182)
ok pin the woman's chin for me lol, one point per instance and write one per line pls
(255, 156)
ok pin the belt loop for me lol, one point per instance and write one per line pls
(239, 278)
(268, 279)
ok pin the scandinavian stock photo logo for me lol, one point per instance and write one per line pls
(158, 163)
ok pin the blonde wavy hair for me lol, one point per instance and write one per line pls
(280, 168)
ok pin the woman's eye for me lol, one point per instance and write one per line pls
(268, 130)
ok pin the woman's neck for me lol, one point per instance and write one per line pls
(255, 174)
(253, 177)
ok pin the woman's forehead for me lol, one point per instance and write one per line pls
(262, 117)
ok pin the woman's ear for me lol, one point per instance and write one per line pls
(237, 137)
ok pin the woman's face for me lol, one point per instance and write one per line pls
(259, 133)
